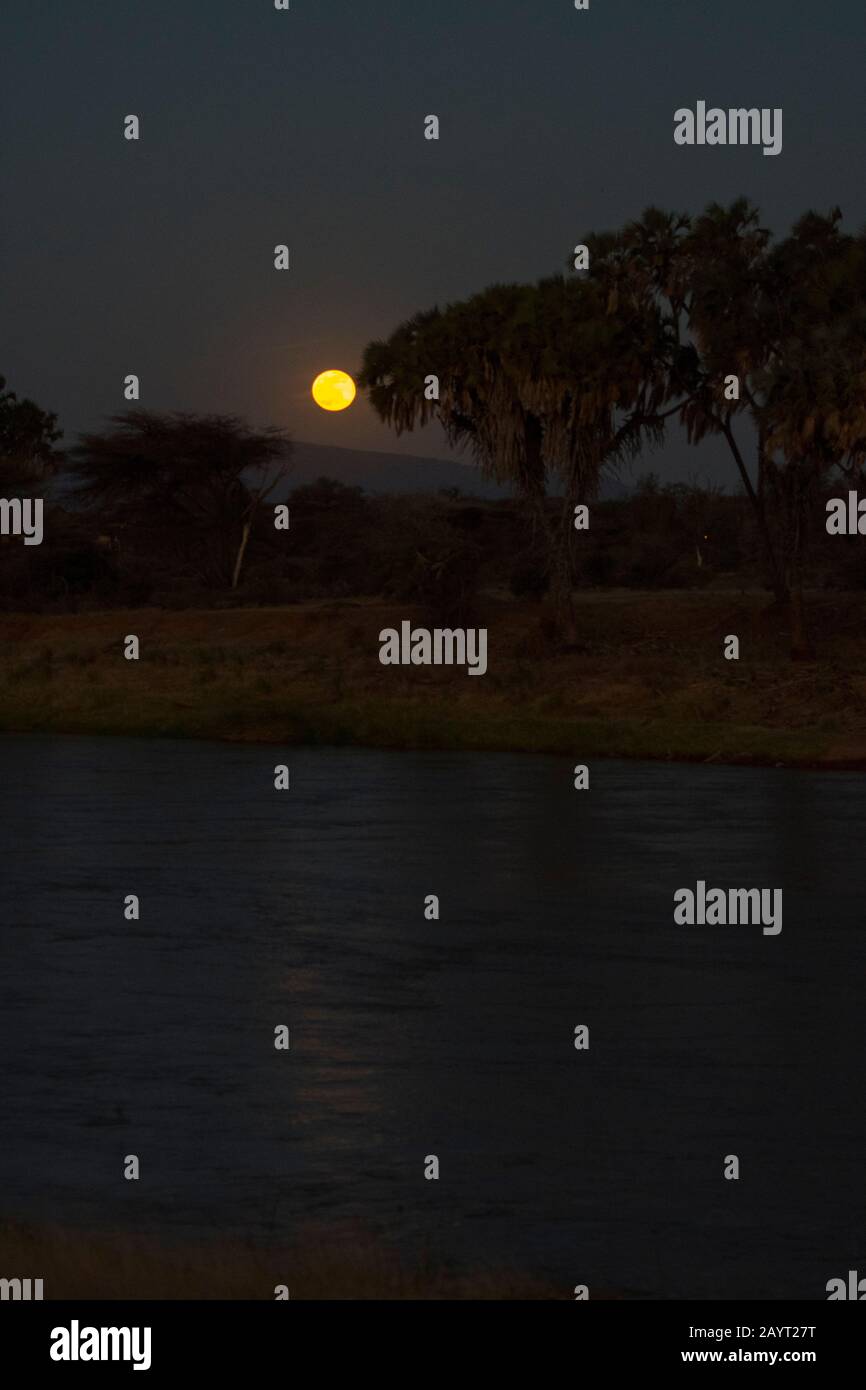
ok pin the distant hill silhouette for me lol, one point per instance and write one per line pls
(375, 472)
(394, 473)
(388, 473)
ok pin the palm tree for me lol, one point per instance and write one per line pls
(546, 383)
(725, 263)
(593, 377)
(702, 277)
(790, 321)
(554, 383)
(810, 397)
(469, 347)
(465, 347)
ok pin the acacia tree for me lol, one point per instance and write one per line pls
(198, 479)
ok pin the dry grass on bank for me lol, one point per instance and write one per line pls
(86, 1265)
(646, 679)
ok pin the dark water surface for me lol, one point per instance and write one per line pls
(452, 1038)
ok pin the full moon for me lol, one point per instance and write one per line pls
(333, 390)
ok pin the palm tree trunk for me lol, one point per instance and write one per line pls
(562, 589)
(802, 648)
(778, 582)
(532, 487)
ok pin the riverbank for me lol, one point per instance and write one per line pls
(118, 1265)
(647, 679)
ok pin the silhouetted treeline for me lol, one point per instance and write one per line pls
(442, 551)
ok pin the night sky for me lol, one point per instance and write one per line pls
(260, 127)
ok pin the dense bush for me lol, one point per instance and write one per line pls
(438, 551)
(529, 578)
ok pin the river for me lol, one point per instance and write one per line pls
(452, 1037)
